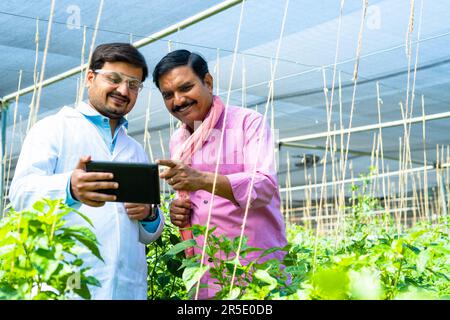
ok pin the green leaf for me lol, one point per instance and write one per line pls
(46, 253)
(264, 276)
(173, 265)
(296, 270)
(84, 217)
(179, 247)
(174, 239)
(163, 280)
(331, 284)
(234, 294)
(83, 291)
(86, 232)
(91, 280)
(193, 274)
(92, 246)
(39, 206)
(422, 260)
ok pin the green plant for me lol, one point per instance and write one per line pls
(253, 279)
(373, 261)
(164, 273)
(39, 254)
(369, 258)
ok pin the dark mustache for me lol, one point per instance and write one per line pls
(115, 93)
(179, 107)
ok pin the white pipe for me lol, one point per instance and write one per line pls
(366, 127)
(152, 38)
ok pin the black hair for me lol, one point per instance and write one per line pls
(123, 52)
(180, 58)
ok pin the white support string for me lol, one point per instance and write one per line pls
(219, 154)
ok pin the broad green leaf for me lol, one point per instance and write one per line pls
(83, 291)
(92, 281)
(46, 253)
(86, 232)
(174, 239)
(331, 284)
(84, 217)
(39, 206)
(191, 275)
(180, 247)
(92, 246)
(422, 260)
(264, 276)
(234, 294)
(163, 280)
(173, 266)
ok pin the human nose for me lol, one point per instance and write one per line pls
(123, 88)
(179, 99)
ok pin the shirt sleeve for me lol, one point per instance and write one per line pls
(70, 201)
(150, 231)
(258, 161)
(151, 226)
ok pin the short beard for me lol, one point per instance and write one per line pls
(107, 112)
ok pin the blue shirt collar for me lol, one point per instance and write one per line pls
(92, 114)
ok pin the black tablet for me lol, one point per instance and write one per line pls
(138, 182)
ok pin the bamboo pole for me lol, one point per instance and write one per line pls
(12, 143)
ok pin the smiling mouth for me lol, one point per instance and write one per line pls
(119, 99)
(183, 107)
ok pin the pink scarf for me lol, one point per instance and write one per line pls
(186, 145)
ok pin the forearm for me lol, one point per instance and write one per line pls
(222, 187)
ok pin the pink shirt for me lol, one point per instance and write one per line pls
(265, 225)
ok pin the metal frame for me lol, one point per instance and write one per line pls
(152, 38)
(143, 42)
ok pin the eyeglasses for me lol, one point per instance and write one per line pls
(116, 78)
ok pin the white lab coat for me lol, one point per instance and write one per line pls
(49, 155)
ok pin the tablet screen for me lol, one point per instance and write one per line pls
(138, 182)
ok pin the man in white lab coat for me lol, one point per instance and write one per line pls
(52, 165)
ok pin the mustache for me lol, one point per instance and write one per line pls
(184, 105)
(119, 95)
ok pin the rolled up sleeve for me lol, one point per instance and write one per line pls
(258, 195)
(257, 158)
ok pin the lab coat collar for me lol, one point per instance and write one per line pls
(89, 112)
(121, 142)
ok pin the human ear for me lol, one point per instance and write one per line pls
(90, 76)
(208, 80)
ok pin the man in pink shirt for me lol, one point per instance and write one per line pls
(187, 89)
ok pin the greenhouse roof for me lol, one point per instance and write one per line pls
(398, 51)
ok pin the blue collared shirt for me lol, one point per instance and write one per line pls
(101, 123)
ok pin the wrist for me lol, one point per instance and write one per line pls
(206, 182)
(153, 215)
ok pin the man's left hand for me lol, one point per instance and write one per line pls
(137, 211)
(181, 176)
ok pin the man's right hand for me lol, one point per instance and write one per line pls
(180, 212)
(83, 185)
